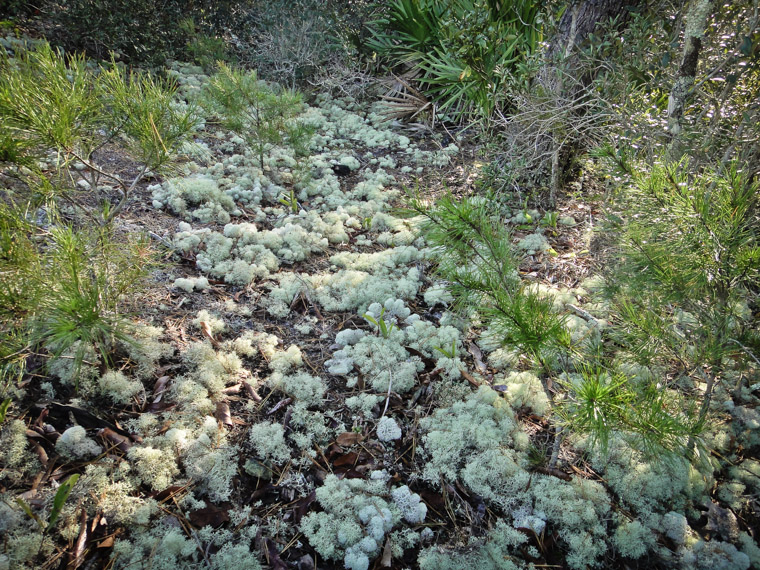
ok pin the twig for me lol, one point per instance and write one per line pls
(388, 397)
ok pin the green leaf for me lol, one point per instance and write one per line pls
(59, 500)
(28, 510)
(4, 409)
(746, 46)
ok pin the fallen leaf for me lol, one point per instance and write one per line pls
(302, 507)
(348, 459)
(121, 442)
(251, 392)
(470, 378)
(279, 405)
(223, 413)
(349, 438)
(477, 356)
(387, 558)
(77, 556)
(210, 515)
(275, 562)
(206, 330)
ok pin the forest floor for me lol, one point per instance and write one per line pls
(257, 393)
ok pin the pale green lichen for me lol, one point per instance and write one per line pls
(118, 387)
(75, 445)
(357, 517)
(302, 387)
(15, 455)
(388, 429)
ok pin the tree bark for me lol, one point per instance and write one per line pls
(581, 18)
(578, 21)
(696, 20)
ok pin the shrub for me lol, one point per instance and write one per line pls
(690, 258)
(461, 52)
(251, 108)
(51, 104)
(139, 31)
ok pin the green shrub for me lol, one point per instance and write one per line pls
(463, 51)
(56, 105)
(256, 111)
(690, 260)
(139, 31)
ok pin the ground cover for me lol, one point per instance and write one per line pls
(304, 396)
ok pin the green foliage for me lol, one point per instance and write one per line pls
(139, 31)
(601, 403)
(464, 51)
(62, 289)
(385, 328)
(690, 259)
(290, 201)
(204, 50)
(550, 220)
(251, 108)
(56, 104)
(86, 279)
(63, 492)
(59, 500)
(448, 353)
(476, 256)
(4, 409)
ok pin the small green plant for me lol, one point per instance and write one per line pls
(290, 201)
(6, 404)
(448, 353)
(477, 258)
(89, 277)
(259, 113)
(385, 328)
(602, 402)
(51, 103)
(59, 500)
(690, 259)
(550, 220)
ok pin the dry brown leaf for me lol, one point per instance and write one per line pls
(349, 438)
(77, 557)
(477, 356)
(223, 413)
(387, 559)
(206, 330)
(470, 378)
(251, 392)
(121, 442)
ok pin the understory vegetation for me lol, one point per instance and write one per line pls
(409, 284)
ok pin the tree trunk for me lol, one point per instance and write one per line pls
(696, 20)
(581, 18)
(578, 21)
